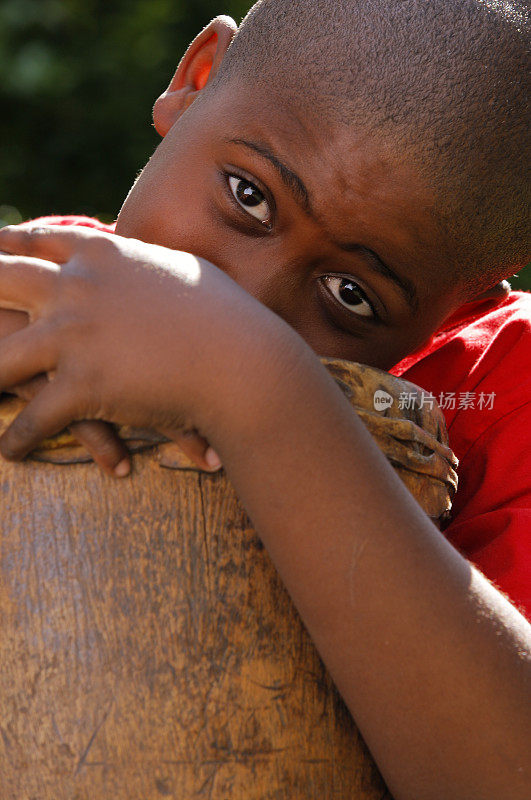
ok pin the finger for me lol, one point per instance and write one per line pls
(26, 284)
(98, 438)
(25, 354)
(213, 460)
(44, 416)
(104, 445)
(52, 242)
(28, 390)
(11, 321)
(197, 448)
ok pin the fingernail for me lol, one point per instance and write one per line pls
(212, 459)
(123, 469)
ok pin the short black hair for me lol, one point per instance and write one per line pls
(447, 79)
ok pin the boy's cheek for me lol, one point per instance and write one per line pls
(12, 321)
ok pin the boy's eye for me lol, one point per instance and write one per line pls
(349, 295)
(250, 198)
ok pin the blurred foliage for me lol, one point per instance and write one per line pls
(79, 78)
(522, 280)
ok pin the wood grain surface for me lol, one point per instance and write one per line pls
(149, 650)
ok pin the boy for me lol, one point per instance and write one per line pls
(330, 159)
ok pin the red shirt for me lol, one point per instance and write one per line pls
(482, 360)
(478, 366)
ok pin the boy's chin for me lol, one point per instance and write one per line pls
(130, 221)
(496, 292)
(127, 228)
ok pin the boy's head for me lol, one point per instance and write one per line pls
(358, 166)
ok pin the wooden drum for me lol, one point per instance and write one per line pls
(149, 650)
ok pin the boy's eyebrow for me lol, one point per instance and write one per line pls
(296, 186)
(406, 286)
(289, 178)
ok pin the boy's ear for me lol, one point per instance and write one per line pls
(197, 68)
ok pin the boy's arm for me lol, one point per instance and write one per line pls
(431, 660)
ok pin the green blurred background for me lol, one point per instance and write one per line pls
(79, 78)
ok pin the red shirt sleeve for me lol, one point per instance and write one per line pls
(75, 219)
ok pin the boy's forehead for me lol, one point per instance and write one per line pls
(357, 182)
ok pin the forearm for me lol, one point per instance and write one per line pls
(427, 655)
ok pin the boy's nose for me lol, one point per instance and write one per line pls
(273, 287)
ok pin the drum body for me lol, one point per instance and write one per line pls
(149, 648)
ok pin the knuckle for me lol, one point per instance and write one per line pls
(107, 250)
(31, 236)
(100, 438)
(101, 442)
(80, 279)
(81, 388)
(189, 435)
(91, 242)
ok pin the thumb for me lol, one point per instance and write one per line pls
(197, 449)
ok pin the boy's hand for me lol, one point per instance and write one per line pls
(99, 438)
(101, 327)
